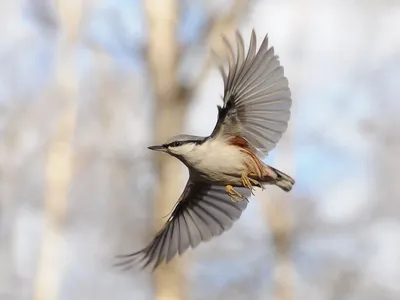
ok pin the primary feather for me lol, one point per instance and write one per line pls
(257, 98)
(202, 212)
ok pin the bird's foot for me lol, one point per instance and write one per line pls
(234, 194)
(250, 182)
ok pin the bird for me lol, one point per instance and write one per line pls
(226, 166)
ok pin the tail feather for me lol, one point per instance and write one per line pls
(284, 181)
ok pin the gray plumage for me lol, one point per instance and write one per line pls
(257, 98)
(185, 138)
(202, 211)
(256, 106)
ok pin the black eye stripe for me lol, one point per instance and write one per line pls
(175, 144)
(180, 143)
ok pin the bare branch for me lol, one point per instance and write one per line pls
(43, 12)
(212, 34)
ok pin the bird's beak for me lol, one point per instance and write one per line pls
(157, 148)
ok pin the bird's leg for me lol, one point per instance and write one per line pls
(250, 182)
(257, 183)
(246, 182)
(233, 194)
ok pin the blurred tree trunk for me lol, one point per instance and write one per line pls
(277, 204)
(172, 100)
(279, 220)
(171, 105)
(60, 156)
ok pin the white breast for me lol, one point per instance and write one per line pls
(217, 161)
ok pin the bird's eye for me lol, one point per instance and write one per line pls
(176, 144)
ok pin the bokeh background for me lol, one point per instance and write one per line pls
(85, 86)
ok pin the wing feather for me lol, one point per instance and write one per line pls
(203, 211)
(257, 98)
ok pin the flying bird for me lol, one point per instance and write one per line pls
(225, 167)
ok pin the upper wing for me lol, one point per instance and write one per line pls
(203, 211)
(257, 97)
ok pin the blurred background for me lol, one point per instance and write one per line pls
(86, 86)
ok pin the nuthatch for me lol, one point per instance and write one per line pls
(225, 167)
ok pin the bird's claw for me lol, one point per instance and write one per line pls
(234, 194)
(250, 182)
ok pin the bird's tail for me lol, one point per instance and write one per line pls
(284, 181)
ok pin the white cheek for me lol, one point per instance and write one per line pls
(187, 149)
(184, 150)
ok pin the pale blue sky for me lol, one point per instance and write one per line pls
(331, 71)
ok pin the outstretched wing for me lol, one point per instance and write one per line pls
(257, 97)
(203, 211)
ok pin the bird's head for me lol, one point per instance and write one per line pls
(181, 146)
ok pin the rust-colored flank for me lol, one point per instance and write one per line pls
(256, 167)
(239, 141)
